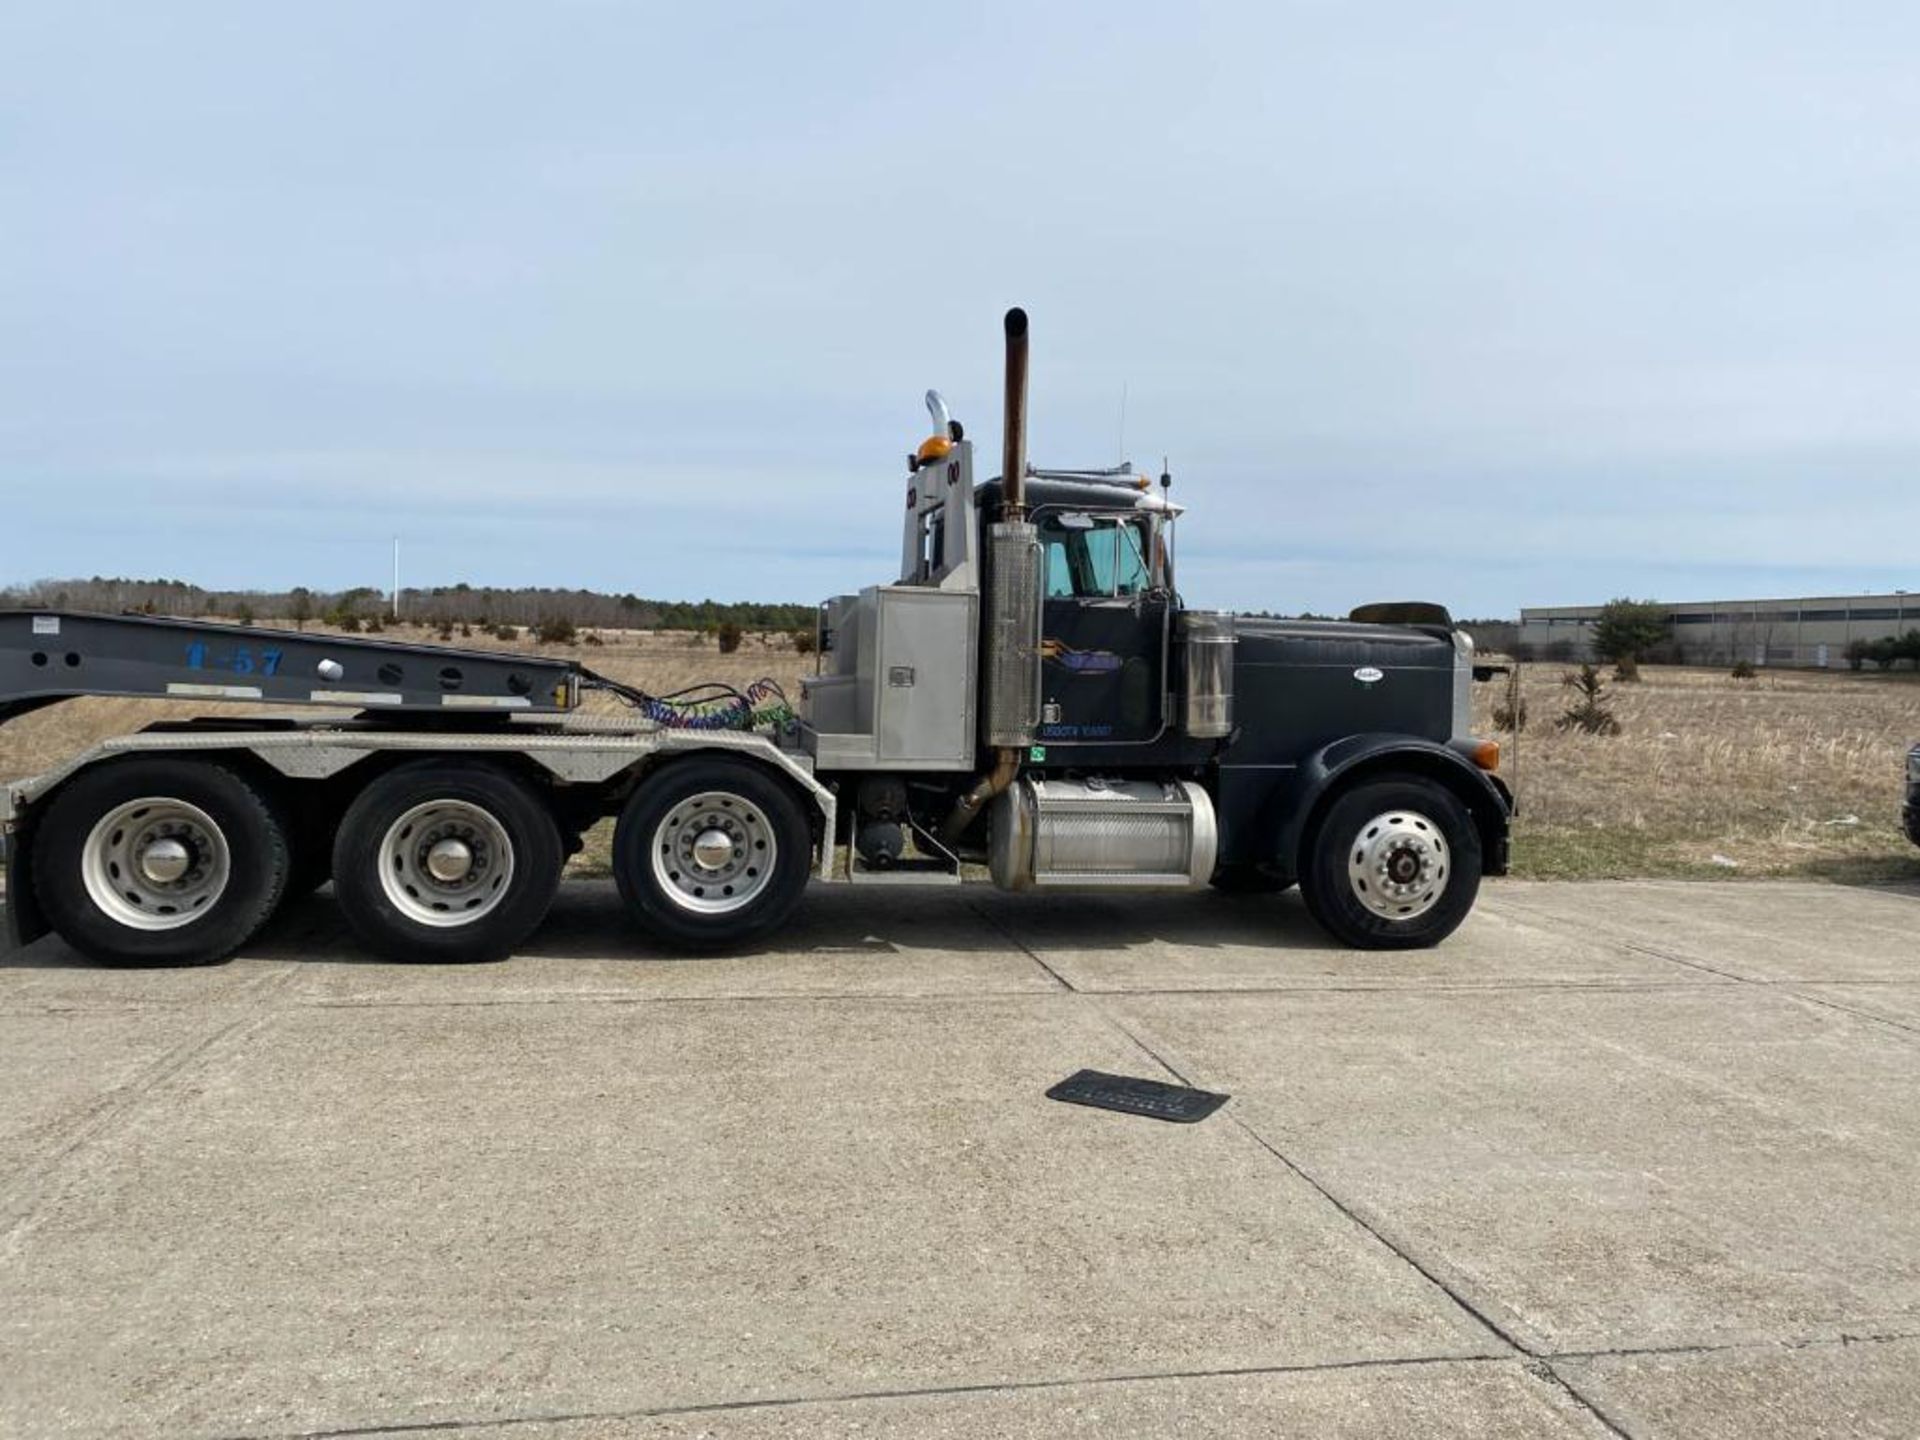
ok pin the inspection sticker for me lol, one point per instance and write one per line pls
(46, 624)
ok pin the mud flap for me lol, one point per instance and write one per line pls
(20, 920)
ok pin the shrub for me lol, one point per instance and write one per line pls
(1742, 670)
(1510, 711)
(505, 632)
(555, 630)
(374, 627)
(1858, 652)
(1592, 709)
(803, 642)
(730, 635)
(591, 638)
(446, 632)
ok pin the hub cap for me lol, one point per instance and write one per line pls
(446, 863)
(155, 864)
(450, 861)
(713, 853)
(1398, 865)
(713, 849)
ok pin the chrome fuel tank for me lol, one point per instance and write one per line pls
(1102, 833)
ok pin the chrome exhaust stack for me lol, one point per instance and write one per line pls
(1010, 704)
(1013, 443)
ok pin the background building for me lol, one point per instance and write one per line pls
(1814, 630)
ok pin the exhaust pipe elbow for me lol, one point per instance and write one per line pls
(960, 819)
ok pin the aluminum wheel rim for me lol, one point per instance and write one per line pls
(156, 863)
(1398, 865)
(693, 869)
(415, 874)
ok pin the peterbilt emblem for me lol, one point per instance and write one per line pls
(1369, 675)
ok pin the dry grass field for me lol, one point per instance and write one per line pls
(1792, 772)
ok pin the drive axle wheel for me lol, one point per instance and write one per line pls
(1393, 865)
(159, 862)
(442, 860)
(712, 853)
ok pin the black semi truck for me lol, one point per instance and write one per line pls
(1029, 696)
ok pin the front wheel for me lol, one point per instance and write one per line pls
(712, 853)
(1393, 865)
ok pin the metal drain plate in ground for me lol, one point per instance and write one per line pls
(1132, 1096)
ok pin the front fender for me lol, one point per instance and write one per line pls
(1327, 771)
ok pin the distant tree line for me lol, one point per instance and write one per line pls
(538, 608)
(1885, 652)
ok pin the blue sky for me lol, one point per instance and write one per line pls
(1489, 304)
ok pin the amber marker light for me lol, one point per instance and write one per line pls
(934, 447)
(1486, 754)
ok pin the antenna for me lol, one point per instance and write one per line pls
(1122, 456)
(1173, 528)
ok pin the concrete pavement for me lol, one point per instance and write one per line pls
(1626, 1158)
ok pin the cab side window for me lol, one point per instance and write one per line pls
(1090, 558)
(1059, 572)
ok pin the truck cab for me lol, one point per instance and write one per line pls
(1030, 693)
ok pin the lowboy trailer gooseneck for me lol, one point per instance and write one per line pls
(1029, 694)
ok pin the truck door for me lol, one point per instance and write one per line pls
(1103, 630)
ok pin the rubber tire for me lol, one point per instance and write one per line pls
(257, 851)
(1323, 870)
(381, 927)
(1247, 880)
(655, 912)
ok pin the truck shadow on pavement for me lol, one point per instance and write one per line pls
(588, 922)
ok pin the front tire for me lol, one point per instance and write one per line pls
(1393, 865)
(159, 861)
(710, 854)
(446, 861)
